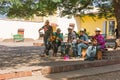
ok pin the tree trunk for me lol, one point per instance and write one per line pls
(116, 5)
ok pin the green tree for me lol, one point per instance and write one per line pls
(29, 8)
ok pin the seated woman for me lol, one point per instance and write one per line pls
(98, 45)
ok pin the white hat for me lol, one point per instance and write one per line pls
(82, 29)
(98, 29)
(70, 27)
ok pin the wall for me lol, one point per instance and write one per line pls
(91, 23)
(9, 28)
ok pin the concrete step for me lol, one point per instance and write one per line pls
(59, 67)
(111, 57)
(83, 72)
(76, 65)
(112, 52)
(77, 74)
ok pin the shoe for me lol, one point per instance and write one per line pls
(79, 56)
(47, 52)
(86, 59)
(89, 59)
(42, 55)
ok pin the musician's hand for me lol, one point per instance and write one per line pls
(79, 40)
(39, 29)
(57, 38)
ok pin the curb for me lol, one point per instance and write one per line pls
(65, 68)
(15, 75)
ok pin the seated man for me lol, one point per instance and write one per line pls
(71, 42)
(58, 39)
(83, 42)
(98, 44)
(99, 38)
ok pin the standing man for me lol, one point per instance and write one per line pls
(116, 32)
(117, 42)
(47, 33)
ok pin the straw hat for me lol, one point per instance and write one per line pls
(82, 29)
(98, 29)
(70, 28)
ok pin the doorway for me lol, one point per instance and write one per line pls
(111, 28)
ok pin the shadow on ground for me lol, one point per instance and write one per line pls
(16, 57)
(13, 57)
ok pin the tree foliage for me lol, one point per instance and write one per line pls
(73, 7)
(28, 8)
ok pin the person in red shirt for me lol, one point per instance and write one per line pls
(100, 39)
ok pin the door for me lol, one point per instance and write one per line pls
(111, 28)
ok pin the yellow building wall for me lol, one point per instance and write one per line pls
(90, 24)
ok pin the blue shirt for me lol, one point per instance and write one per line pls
(83, 37)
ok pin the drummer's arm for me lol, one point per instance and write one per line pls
(61, 37)
(80, 40)
(40, 29)
(86, 42)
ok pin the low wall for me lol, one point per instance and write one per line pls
(9, 28)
